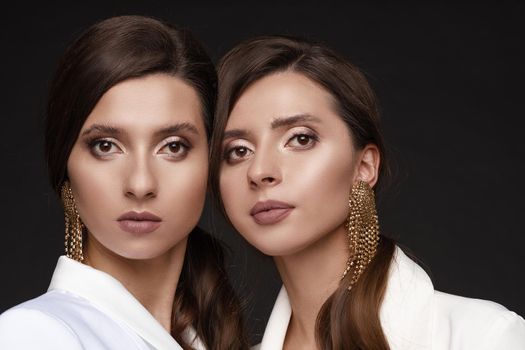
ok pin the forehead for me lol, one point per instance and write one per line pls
(281, 95)
(148, 102)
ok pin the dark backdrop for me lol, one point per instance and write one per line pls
(450, 81)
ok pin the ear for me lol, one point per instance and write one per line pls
(367, 167)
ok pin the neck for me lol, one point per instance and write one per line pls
(310, 276)
(152, 282)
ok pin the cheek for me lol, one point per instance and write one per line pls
(322, 180)
(185, 192)
(238, 200)
(96, 192)
(320, 184)
(231, 190)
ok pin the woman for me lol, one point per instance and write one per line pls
(296, 151)
(127, 126)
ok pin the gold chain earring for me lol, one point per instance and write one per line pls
(74, 226)
(363, 230)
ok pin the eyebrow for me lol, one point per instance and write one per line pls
(173, 129)
(294, 119)
(163, 132)
(236, 134)
(275, 124)
(102, 128)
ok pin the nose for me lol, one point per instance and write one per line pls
(264, 170)
(141, 182)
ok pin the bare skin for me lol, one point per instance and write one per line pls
(323, 261)
(284, 141)
(142, 149)
(152, 282)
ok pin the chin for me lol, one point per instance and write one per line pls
(143, 251)
(138, 254)
(278, 247)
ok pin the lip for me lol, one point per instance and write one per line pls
(139, 223)
(270, 212)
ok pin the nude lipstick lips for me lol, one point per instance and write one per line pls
(270, 212)
(139, 223)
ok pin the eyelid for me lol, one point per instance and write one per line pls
(237, 143)
(301, 131)
(233, 144)
(181, 154)
(96, 140)
(296, 132)
(93, 141)
(171, 139)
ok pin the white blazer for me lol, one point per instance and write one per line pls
(415, 317)
(84, 308)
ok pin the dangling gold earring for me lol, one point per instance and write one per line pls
(74, 226)
(363, 230)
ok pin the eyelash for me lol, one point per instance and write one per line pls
(94, 142)
(311, 136)
(228, 153)
(181, 142)
(227, 156)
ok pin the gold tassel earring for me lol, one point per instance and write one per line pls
(363, 230)
(74, 226)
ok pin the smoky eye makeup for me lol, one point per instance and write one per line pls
(102, 147)
(175, 148)
(235, 151)
(301, 138)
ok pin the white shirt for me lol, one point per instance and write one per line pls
(415, 317)
(84, 308)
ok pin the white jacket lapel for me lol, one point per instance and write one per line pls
(405, 314)
(111, 297)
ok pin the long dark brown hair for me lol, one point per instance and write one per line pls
(106, 54)
(347, 320)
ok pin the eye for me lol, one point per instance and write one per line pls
(237, 153)
(302, 141)
(102, 148)
(175, 149)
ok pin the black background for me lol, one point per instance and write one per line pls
(450, 81)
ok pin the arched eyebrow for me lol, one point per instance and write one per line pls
(103, 129)
(176, 128)
(160, 133)
(275, 124)
(236, 134)
(292, 120)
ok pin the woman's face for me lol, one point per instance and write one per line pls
(138, 169)
(288, 164)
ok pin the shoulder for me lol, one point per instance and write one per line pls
(480, 323)
(57, 304)
(28, 326)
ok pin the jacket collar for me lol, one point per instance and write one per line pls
(109, 296)
(405, 312)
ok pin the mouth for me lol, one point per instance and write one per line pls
(139, 223)
(270, 212)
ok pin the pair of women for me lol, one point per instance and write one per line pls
(296, 147)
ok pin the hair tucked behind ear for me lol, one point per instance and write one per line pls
(349, 319)
(129, 47)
